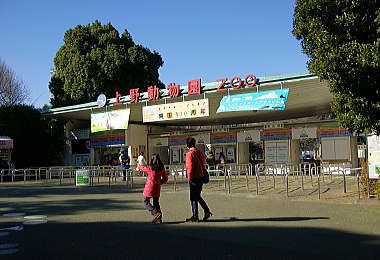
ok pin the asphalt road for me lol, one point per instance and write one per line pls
(111, 223)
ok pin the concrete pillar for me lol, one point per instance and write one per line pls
(243, 153)
(295, 151)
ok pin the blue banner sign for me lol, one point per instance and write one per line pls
(264, 100)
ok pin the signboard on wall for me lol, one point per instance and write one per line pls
(157, 142)
(264, 100)
(280, 134)
(374, 156)
(177, 140)
(202, 138)
(178, 110)
(248, 136)
(332, 131)
(110, 120)
(217, 138)
(304, 132)
(108, 138)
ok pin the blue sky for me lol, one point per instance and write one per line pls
(196, 39)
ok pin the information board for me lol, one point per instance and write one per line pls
(82, 177)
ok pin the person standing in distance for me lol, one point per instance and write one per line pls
(125, 162)
(195, 161)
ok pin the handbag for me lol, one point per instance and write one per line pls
(206, 176)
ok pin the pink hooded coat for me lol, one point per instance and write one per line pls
(154, 181)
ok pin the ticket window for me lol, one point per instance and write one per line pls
(256, 152)
(229, 152)
(309, 149)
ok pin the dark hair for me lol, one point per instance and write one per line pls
(141, 153)
(156, 163)
(190, 142)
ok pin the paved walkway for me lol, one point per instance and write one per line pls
(111, 223)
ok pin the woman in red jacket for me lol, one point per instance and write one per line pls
(195, 161)
(156, 176)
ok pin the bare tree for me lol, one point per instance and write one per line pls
(12, 89)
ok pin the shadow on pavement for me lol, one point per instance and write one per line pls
(233, 219)
(136, 240)
(20, 191)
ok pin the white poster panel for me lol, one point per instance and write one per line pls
(282, 152)
(248, 136)
(110, 120)
(304, 132)
(276, 152)
(202, 138)
(270, 152)
(178, 110)
(374, 170)
(373, 156)
(157, 142)
(175, 155)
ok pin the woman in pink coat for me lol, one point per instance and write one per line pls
(156, 176)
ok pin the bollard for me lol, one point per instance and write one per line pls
(24, 176)
(357, 177)
(319, 187)
(225, 178)
(230, 180)
(175, 181)
(246, 179)
(131, 176)
(311, 175)
(344, 182)
(257, 184)
(287, 185)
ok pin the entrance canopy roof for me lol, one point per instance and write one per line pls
(308, 96)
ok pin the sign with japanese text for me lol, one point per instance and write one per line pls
(110, 120)
(158, 142)
(82, 177)
(264, 100)
(373, 142)
(304, 132)
(178, 110)
(202, 138)
(248, 136)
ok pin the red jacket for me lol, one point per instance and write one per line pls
(195, 161)
(154, 181)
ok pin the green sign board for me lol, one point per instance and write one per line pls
(82, 177)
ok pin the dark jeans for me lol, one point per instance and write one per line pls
(195, 197)
(153, 209)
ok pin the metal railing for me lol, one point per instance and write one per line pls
(299, 174)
